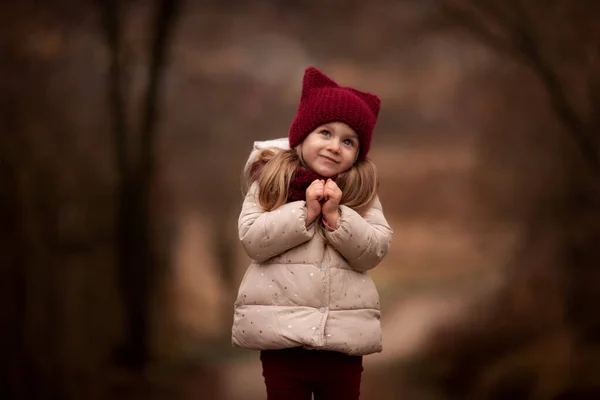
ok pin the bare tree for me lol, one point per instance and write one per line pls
(552, 39)
(558, 43)
(136, 256)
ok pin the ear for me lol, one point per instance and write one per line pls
(372, 101)
(313, 79)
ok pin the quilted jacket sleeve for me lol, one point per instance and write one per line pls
(362, 241)
(266, 234)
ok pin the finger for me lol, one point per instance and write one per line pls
(332, 191)
(316, 195)
(333, 196)
(314, 188)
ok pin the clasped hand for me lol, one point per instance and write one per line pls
(323, 197)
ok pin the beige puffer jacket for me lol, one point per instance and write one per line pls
(306, 289)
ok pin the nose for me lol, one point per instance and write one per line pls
(334, 145)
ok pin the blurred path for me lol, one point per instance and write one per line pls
(406, 330)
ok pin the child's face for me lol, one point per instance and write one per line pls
(330, 149)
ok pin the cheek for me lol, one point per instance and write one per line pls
(353, 155)
(310, 152)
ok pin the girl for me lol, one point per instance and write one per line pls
(313, 225)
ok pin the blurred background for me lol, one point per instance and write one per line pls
(125, 128)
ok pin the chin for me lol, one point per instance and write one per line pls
(326, 174)
(325, 171)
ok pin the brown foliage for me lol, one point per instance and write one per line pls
(538, 337)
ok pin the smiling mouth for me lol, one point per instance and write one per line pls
(330, 159)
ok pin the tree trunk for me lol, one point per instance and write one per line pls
(136, 257)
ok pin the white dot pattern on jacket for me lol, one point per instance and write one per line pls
(307, 287)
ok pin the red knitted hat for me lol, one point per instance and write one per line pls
(325, 101)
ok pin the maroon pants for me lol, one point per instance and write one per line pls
(297, 374)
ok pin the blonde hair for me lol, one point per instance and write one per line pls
(358, 184)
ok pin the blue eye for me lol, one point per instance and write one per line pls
(349, 142)
(325, 132)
